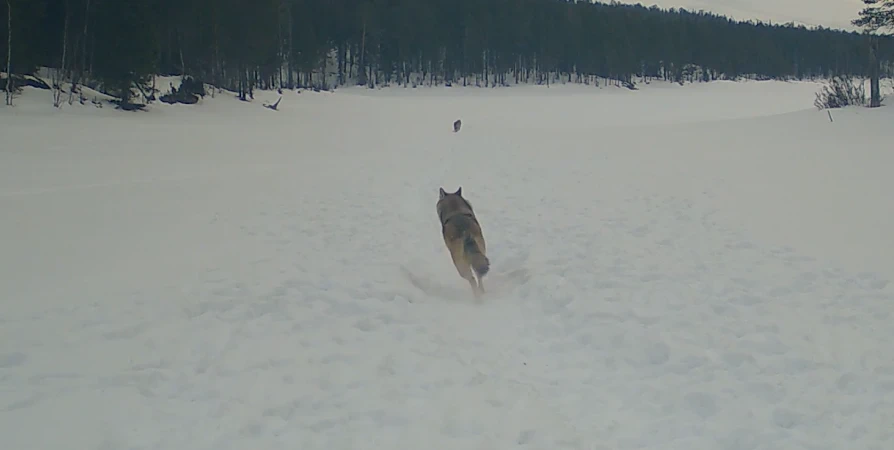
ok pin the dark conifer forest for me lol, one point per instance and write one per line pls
(244, 45)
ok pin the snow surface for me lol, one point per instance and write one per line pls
(698, 267)
(828, 13)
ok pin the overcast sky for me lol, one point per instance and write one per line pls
(828, 13)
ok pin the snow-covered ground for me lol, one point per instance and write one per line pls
(703, 267)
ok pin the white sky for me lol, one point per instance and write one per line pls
(828, 13)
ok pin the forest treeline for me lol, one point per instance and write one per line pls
(248, 44)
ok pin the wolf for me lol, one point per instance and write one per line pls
(463, 237)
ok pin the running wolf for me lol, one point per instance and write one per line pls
(462, 234)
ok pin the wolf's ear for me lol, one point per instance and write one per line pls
(441, 194)
(459, 191)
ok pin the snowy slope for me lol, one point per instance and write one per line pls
(698, 267)
(828, 13)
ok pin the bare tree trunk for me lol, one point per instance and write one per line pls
(362, 72)
(9, 53)
(84, 53)
(284, 19)
(92, 54)
(75, 47)
(484, 68)
(352, 57)
(342, 62)
(77, 78)
(57, 95)
(243, 83)
(291, 46)
(323, 77)
(182, 60)
(874, 95)
(215, 55)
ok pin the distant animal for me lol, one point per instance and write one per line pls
(463, 237)
(457, 125)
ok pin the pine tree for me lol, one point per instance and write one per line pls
(878, 14)
(124, 51)
(9, 53)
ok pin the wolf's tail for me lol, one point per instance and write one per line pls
(479, 262)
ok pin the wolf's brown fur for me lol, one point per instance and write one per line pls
(464, 239)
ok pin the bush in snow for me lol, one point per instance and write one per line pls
(188, 94)
(841, 92)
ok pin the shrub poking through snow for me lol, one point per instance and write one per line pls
(841, 92)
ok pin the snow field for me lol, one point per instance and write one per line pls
(699, 267)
